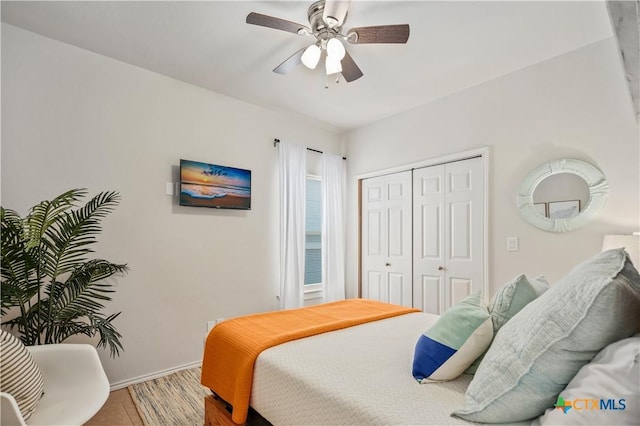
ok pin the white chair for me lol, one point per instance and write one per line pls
(75, 387)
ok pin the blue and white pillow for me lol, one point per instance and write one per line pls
(450, 346)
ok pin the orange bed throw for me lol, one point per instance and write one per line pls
(233, 345)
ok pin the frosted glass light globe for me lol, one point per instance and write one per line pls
(333, 65)
(311, 56)
(335, 49)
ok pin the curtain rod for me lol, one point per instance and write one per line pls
(277, 141)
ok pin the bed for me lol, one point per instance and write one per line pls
(296, 383)
(563, 344)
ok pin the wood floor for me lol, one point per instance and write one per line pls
(119, 410)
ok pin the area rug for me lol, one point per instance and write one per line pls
(176, 399)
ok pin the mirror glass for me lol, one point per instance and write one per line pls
(562, 195)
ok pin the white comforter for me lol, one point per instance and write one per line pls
(357, 376)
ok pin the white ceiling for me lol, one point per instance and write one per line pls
(453, 45)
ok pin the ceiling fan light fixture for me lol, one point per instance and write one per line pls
(311, 56)
(333, 65)
(326, 22)
(335, 49)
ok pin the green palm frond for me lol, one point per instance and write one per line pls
(19, 282)
(46, 213)
(84, 290)
(47, 274)
(74, 231)
(29, 324)
(16, 260)
(109, 337)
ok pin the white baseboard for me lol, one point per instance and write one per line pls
(155, 375)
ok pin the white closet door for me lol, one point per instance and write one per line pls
(386, 239)
(449, 234)
(428, 248)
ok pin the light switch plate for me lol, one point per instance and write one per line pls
(168, 188)
(512, 243)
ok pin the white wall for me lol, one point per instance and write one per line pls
(71, 118)
(573, 106)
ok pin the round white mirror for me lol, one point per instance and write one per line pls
(562, 195)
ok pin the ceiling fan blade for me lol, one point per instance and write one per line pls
(292, 62)
(335, 12)
(350, 70)
(379, 34)
(277, 23)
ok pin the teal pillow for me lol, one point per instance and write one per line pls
(539, 284)
(514, 296)
(508, 301)
(537, 352)
(459, 336)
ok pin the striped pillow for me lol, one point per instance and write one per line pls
(21, 376)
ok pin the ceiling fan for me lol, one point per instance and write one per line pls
(326, 19)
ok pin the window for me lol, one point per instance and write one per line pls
(313, 233)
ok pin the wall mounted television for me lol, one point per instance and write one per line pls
(214, 186)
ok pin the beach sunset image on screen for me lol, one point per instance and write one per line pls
(210, 185)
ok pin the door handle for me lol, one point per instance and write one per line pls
(440, 268)
(387, 264)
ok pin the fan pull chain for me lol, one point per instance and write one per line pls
(326, 80)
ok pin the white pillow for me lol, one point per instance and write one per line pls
(612, 380)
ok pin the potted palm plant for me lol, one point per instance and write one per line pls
(51, 289)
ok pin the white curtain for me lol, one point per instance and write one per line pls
(333, 224)
(293, 184)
